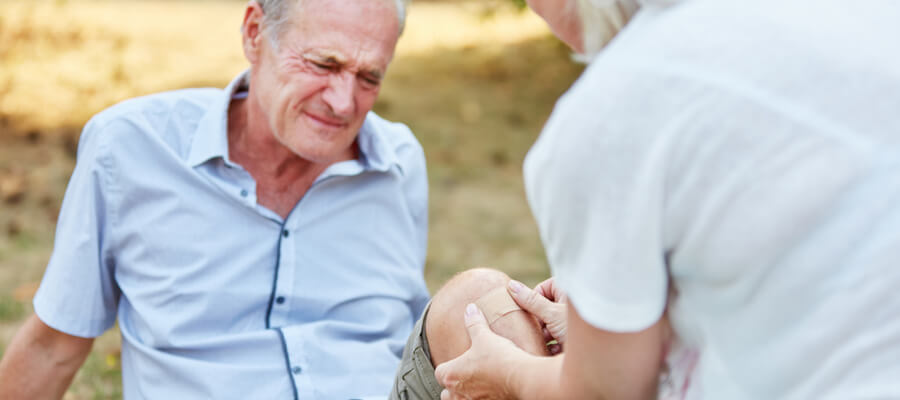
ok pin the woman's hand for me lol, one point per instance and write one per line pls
(484, 371)
(548, 303)
(602, 365)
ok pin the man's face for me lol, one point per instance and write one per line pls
(317, 85)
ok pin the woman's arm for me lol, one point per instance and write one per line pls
(596, 364)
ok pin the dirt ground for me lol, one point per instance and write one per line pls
(474, 80)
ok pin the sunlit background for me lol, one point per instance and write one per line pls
(475, 80)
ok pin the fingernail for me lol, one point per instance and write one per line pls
(516, 286)
(471, 310)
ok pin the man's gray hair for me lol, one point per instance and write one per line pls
(277, 14)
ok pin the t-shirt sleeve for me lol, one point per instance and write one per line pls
(78, 294)
(595, 182)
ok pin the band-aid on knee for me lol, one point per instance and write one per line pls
(496, 304)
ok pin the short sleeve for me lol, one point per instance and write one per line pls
(595, 182)
(78, 294)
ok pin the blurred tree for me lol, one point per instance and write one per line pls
(519, 3)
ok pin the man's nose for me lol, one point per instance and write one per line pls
(340, 95)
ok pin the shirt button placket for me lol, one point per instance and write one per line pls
(280, 300)
(285, 275)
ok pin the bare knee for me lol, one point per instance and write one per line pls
(445, 325)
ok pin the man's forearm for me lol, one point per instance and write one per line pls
(40, 363)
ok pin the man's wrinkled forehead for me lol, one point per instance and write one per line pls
(337, 15)
(328, 32)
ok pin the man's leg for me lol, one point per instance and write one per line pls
(440, 335)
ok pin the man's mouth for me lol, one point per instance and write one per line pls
(327, 121)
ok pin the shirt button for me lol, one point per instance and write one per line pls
(286, 233)
(296, 370)
(244, 192)
(279, 299)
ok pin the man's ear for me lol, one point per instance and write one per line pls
(252, 31)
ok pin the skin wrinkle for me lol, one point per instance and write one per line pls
(359, 46)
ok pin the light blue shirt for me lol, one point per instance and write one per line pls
(218, 297)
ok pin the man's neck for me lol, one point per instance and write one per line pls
(282, 177)
(252, 145)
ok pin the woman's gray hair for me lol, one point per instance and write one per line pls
(277, 14)
(601, 20)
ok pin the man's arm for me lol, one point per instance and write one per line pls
(41, 362)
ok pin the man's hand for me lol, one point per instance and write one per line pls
(548, 303)
(482, 372)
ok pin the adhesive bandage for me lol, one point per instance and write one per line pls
(496, 303)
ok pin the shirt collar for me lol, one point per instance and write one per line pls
(211, 138)
(376, 151)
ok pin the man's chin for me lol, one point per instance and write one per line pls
(324, 156)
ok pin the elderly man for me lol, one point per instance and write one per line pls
(262, 242)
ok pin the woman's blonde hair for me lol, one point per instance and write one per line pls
(601, 20)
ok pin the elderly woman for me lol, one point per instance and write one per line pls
(733, 166)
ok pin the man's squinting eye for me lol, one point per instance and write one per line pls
(323, 66)
(371, 81)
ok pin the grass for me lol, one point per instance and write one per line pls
(474, 82)
(11, 309)
(101, 375)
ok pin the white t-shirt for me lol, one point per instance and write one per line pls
(747, 153)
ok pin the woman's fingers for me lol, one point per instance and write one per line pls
(551, 314)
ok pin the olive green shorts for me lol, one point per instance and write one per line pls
(415, 376)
